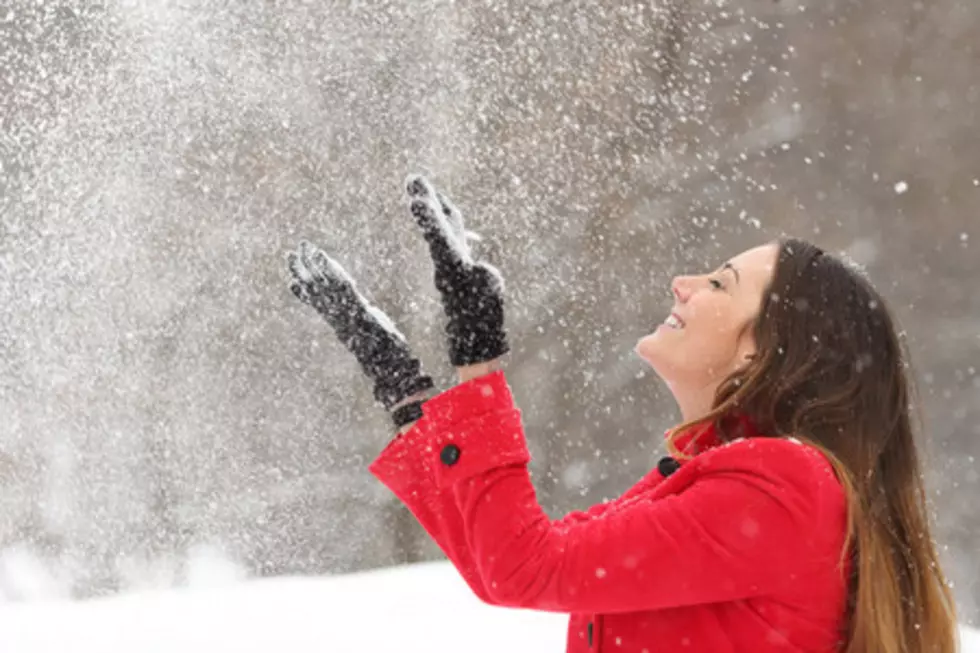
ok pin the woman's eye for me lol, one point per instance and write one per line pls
(716, 284)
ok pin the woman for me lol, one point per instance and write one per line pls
(790, 515)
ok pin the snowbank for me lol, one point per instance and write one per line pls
(423, 607)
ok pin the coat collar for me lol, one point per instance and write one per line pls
(701, 438)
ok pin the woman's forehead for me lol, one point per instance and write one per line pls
(758, 261)
(757, 265)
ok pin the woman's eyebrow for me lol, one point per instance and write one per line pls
(731, 267)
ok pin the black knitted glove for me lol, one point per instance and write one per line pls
(365, 330)
(472, 291)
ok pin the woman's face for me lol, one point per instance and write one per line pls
(709, 333)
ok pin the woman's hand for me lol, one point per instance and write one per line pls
(365, 330)
(472, 291)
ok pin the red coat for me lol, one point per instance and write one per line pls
(737, 549)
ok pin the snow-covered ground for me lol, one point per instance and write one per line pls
(424, 607)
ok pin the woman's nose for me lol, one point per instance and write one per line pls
(681, 288)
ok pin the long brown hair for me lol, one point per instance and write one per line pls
(831, 370)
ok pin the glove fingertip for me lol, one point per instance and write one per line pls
(297, 268)
(416, 186)
(448, 209)
(297, 289)
(325, 269)
(423, 214)
(306, 253)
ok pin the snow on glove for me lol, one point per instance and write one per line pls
(472, 291)
(365, 330)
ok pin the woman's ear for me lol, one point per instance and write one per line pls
(746, 350)
(743, 361)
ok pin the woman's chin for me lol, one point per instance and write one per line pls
(665, 354)
(652, 350)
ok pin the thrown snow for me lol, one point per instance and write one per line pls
(423, 607)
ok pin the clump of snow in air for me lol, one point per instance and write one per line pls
(901, 188)
(23, 577)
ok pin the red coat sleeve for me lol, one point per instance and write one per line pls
(746, 526)
(405, 468)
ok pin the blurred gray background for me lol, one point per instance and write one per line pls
(161, 389)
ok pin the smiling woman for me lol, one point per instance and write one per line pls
(789, 517)
(708, 335)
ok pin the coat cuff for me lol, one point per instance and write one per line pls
(473, 428)
(465, 431)
(475, 397)
(472, 448)
(403, 465)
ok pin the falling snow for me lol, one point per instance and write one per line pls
(164, 394)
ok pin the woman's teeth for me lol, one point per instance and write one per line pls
(673, 322)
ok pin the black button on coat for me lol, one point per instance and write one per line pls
(449, 455)
(667, 466)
